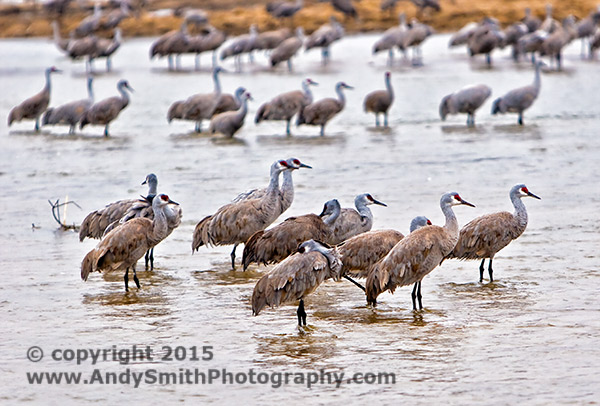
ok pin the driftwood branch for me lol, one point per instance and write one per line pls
(56, 214)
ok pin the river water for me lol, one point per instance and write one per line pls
(531, 336)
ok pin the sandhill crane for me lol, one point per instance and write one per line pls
(414, 37)
(297, 277)
(286, 193)
(549, 24)
(112, 19)
(107, 110)
(271, 39)
(594, 43)
(90, 24)
(323, 37)
(344, 6)
(287, 49)
(467, 100)
(105, 48)
(70, 113)
(557, 40)
(125, 245)
(143, 208)
(172, 43)
(200, 106)
(240, 45)
(520, 99)
(275, 244)
(83, 48)
(532, 22)
(461, 37)
(587, 27)
(33, 107)
(352, 222)
(423, 5)
(416, 255)
(320, 112)
(484, 236)
(362, 251)
(484, 39)
(531, 43)
(511, 35)
(281, 9)
(286, 105)
(229, 122)
(388, 5)
(380, 101)
(210, 41)
(61, 43)
(234, 223)
(95, 223)
(392, 37)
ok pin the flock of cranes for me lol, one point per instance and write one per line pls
(308, 249)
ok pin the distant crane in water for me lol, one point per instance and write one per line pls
(520, 99)
(70, 113)
(297, 277)
(467, 100)
(320, 112)
(230, 122)
(416, 255)
(107, 110)
(125, 245)
(484, 236)
(286, 105)
(172, 43)
(380, 101)
(287, 49)
(323, 37)
(33, 107)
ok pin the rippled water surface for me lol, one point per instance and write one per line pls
(530, 336)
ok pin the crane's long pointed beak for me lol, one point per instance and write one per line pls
(173, 202)
(144, 182)
(532, 195)
(466, 203)
(379, 203)
(305, 166)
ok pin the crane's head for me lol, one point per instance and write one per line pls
(453, 199)
(163, 200)
(522, 191)
(344, 85)
(53, 69)
(367, 199)
(418, 222)
(309, 82)
(295, 163)
(151, 179)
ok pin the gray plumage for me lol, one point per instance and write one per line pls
(531, 43)
(462, 36)
(352, 222)
(361, 252)
(243, 44)
(557, 40)
(70, 113)
(297, 277)
(416, 255)
(532, 22)
(287, 49)
(277, 243)
(283, 9)
(229, 122)
(61, 43)
(466, 100)
(323, 37)
(172, 43)
(94, 225)
(90, 24)
(520, 99)
(271, 39)
(414, 38)
(105, 48)
(286, 105)
(33, 107)
(380, 101)
(484, 39)
(200, 106)
(211, 40)
(113, 18)
(235, 223)
(346, 7)
(320, 112)
(107, 110)
(125, 245)
(549, 24)
(391, 38)
(484, 236)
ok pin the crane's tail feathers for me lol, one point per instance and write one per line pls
(201, 234)
(88, 263)
(377, 281)
(250, 249)
(260, 114)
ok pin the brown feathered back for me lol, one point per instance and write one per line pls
(361, 252)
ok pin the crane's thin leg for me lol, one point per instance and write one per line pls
(233, 256)
(289, 64)
(152, 259)
(170, 60)
(490, 270)
(376, 119)
(558, 61)
(108, 64)
(301, 313)
(416, 294)
(147, 259)
(72, 129)
(322, 130)
(354, 282)
(287, 128)
(214, 58)
(488, 59)
(419, 296)
(37, 124)
(197, 62)
(135, 278)
(126, 279)
(520, 118)
(481, 270)
(385, 119)
(390, 57)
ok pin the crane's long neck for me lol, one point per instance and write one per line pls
(287, 188)
(537, 82)
(273, 182)
(159, 224)
(333, 216)
(307, 92)
(340, 94)
(217, 82)
(48, 85)
(364, 210)
(56, 32)
(152, 188)
(241, 112)
(332, 260)
(388, 86)
(520, 210)
(451, 222)
(123, 92)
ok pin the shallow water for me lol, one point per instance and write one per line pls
(530, 336)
